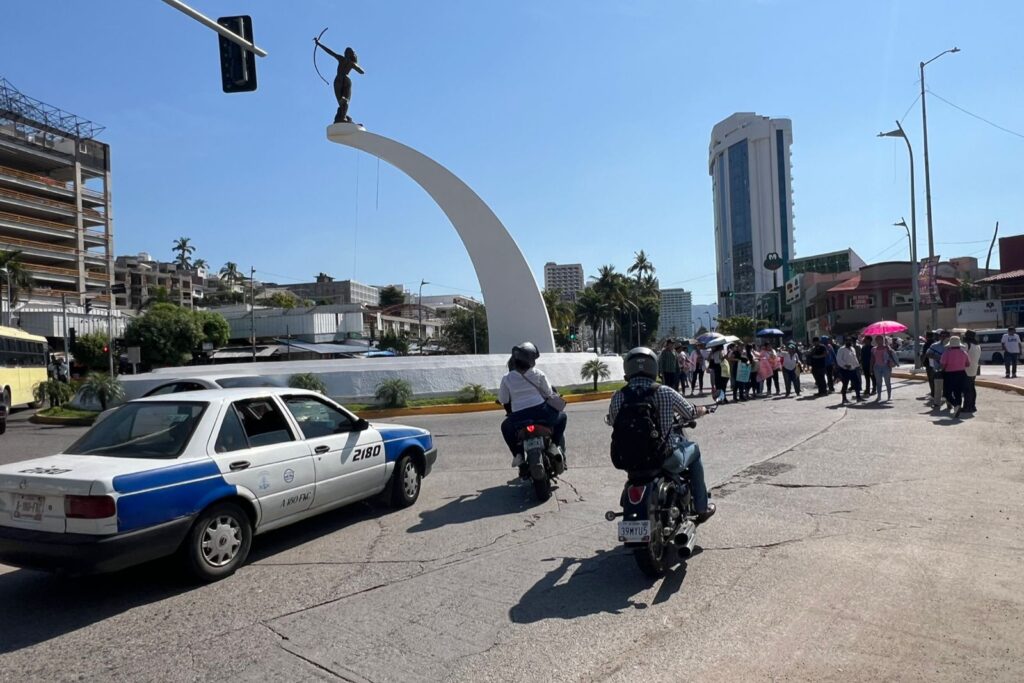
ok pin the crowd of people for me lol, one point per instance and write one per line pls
(858, 366)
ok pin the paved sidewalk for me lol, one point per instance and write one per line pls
(991, 376)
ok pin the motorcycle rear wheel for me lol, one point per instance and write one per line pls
(653, 558)
(542, 488)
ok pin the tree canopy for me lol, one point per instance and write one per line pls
(391, 296)
(457, 333)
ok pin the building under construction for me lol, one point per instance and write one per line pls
(54, 208)
(55, 200)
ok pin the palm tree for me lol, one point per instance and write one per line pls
(103, 388)
(595, 370)
(19, 279)
(184, 249)
(560, 313)
(641, 266)
(229, 273)
(199, 263)
(590, 310)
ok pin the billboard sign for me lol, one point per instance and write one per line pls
(990, 312)
(794, 288)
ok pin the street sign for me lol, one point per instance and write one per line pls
(134, 354)
(860, 301)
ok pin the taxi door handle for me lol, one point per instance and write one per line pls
(321, 449)
(239, 465)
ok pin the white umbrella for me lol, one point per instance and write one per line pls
(722, 341)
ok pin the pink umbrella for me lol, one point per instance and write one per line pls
(885, 327)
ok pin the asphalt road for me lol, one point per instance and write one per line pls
(850, 544)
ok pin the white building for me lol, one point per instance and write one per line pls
(749, 164)
(676, 318)
(565, 277)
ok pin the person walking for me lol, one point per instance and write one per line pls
(973, 370)
(724, 373)
(791, 369)
(1011, 351)
(715, 368)
(849, 363)
(816, 359)
(668, 366)
(955, 362)
(883, 360)
(766, 369)
(696, 369)
(929, 339)
(865, 364)
(935, 352)
(683, 358)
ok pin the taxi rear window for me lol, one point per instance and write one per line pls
(148, 429)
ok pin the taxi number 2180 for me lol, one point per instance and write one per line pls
(364, 453)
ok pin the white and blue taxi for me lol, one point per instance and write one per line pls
(199, 474)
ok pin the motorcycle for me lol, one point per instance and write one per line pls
(543, 460)
(658, 516)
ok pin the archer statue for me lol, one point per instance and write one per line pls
(342, 82)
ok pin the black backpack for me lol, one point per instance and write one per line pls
(637, 439)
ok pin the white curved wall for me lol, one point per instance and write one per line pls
(357, 378)
(515, 308)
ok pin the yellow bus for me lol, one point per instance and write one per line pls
(22, 366)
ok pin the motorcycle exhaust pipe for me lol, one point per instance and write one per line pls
(687, 536)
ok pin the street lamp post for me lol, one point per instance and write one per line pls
(912, 236)
(913, 283)
(10, 311)
(928, 178)
(419, 306)
(637, 309)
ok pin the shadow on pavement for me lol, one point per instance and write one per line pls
(36, 606)
(492, 502)
(604, 583)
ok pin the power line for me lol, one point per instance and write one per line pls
(980, 118)
(907, 112)
(898, 241)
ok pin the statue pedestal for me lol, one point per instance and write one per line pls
(515, 307)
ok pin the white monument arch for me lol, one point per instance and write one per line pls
(515, 307)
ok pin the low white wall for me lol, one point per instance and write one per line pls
(358, 378)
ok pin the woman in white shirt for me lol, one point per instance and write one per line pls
(973, 370)
(524, 392)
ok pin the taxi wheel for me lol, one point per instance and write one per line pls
(218, 543)
(405, 482)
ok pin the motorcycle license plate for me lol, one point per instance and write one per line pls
(635, 532)
(535, 442)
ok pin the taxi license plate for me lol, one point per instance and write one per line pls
(633, 532)
(28, 507)
(535, 442)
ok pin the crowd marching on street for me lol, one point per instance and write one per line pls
(861, 366)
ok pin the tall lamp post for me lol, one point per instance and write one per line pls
(927, 176)
(419, 306)
(913, 283)
(637, 309)
(10, 311)
(912, 236)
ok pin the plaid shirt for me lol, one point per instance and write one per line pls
(670, 403)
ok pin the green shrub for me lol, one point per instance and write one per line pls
(103, 388)
(473, 393)
(53, 392)
(307, 380)
(394, 393)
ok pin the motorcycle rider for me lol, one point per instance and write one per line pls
(641, 369)
(524, 392)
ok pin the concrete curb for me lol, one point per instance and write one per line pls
(62, 421)
(457, 408)
(987, 383)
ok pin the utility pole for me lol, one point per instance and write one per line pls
(110, 328)
(64, 310)
(928, 179)
(252, 310)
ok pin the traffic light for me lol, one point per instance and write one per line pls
(88, 306)
(726, 294)
(237, 66)
(71, 337)
(572, 332)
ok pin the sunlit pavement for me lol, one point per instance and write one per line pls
(851, 543)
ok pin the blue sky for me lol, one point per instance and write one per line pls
(584, 124)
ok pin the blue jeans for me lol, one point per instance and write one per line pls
(540, 414)
(686, 455)
(1010, 361)
(883, 373)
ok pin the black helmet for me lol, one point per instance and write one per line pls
(525, 354)
(641, 362)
